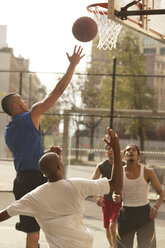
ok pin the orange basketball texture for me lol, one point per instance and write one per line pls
(84, 29)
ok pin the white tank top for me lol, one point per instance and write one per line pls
(135, 191)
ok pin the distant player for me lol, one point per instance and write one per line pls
(110, 209)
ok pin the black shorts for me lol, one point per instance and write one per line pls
(133, 220)
(25, 182)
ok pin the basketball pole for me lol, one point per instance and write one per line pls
(113, 92)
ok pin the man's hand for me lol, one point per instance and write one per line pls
(116, 197)
(55, 149)
(153, 212)
(76, 56)
(99, 201)
(113, 139)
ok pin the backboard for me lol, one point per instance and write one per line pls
(145, 16)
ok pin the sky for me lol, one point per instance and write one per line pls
(40, 30)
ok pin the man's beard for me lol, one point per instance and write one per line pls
(131, 160)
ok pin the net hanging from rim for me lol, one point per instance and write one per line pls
(108, 29)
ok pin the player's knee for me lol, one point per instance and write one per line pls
(32, 240)
(113, 228)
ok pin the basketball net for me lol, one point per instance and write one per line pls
(108, 30)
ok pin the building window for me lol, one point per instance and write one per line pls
(162, 51)
(148, 41)
(149, 50)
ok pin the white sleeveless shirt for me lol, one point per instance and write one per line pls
(135, 191)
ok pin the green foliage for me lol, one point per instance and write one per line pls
(131, 92)
(75, 161)
(49, 123)
(134, 92)
(92, 95)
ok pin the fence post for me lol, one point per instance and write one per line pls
(113, 92)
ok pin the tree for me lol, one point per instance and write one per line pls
(132, 92)
(92, 95)
(87, 87)
(49, 121)
(72, 99)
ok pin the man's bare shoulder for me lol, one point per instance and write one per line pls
(148, 169)
(149, 173)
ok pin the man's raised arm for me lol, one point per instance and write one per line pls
(116, 181)
(43, 106)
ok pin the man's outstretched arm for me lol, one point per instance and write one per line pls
(116, 182)
(4, 215)
(43, 106)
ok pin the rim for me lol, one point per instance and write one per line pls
(101, 12)
(91, 8)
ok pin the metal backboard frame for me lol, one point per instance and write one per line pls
(145, 16)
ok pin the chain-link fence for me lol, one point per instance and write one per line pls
(81, 129)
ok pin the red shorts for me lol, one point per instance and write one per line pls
(110, 212)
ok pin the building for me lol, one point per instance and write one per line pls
(154, 53)
(15, 77)
(3, 35)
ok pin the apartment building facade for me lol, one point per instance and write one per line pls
(154, 53)
(15, 77)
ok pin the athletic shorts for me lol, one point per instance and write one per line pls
(25, 182)
(133, 220)
(110, 211)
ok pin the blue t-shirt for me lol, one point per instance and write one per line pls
(25, 142)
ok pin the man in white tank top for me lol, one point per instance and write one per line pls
(136, 215)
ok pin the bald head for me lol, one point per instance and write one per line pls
(51, 166)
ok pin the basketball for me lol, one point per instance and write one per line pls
(84, 29)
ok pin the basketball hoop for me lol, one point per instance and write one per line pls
(108, 29)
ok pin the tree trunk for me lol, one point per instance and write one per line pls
(141, 136)
(77, 144)
(91, 143)
(91, 137)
